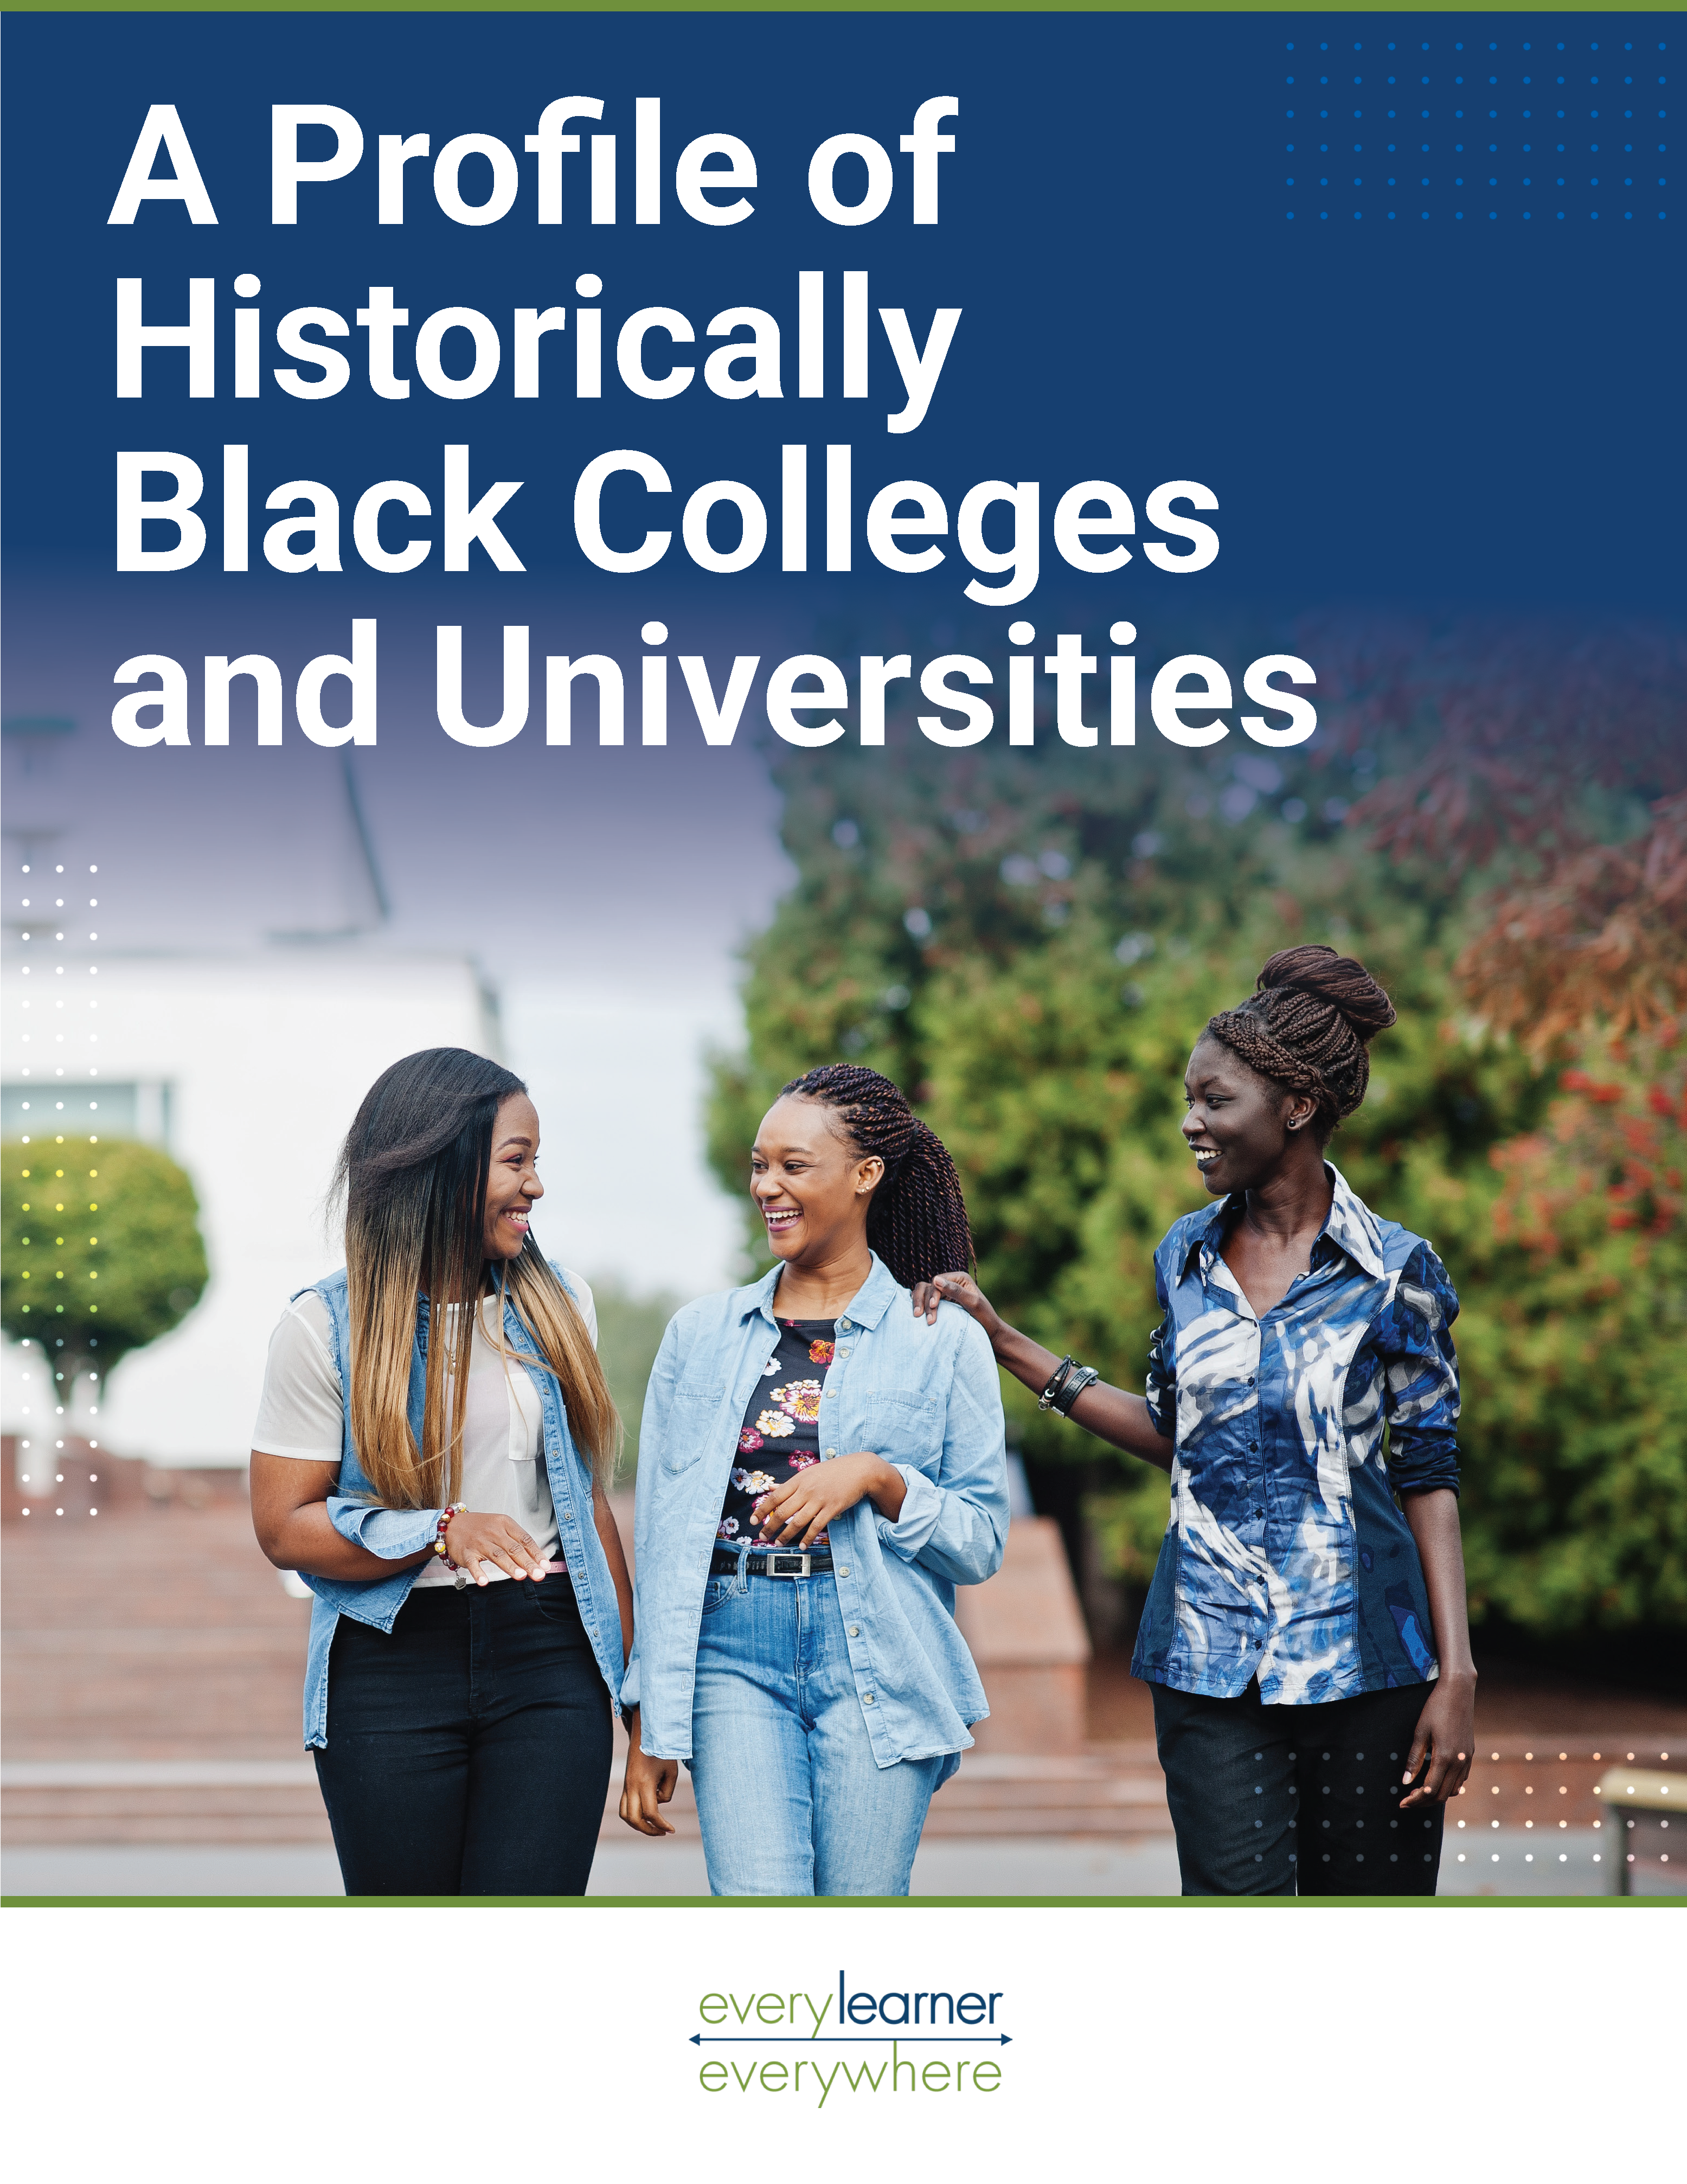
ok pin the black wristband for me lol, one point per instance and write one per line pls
(1082, 1377)
(1046, 1401)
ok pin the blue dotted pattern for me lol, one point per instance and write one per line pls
(1475, 128)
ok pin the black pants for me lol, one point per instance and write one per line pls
(469, 1752)
(1296, 1800)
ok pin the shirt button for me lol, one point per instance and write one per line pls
(844, 1326)
(867, 1698)
(832, 1451)
(855, 1629)
(844, 1569)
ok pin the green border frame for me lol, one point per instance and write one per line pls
(834, 7)
(840, 1903)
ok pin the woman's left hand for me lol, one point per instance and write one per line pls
(793, 1514)
(649, 1785)
(1446, 1735)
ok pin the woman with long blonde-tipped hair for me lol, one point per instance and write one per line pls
(431, 1455)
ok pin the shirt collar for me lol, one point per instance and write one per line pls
(1352, 1227)
(866, 1308)
(1349, 1226)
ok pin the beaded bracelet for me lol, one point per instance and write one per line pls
(439, 1529)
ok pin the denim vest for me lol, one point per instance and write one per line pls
(928, 1401)
(394, 1533)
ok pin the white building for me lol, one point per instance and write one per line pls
(223, 975)
(246, 1069)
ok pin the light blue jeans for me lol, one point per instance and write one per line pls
(792, 1801)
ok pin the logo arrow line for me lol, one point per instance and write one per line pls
(851, 2040)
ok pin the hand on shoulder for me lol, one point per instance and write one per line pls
(956, 1289)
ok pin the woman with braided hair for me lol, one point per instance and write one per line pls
(819, 1468)
(1305, 1632)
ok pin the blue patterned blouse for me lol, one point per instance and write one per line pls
(1285, 1556)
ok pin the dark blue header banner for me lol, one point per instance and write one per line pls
(1148, 311)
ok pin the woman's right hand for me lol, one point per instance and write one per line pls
(956, 1289)
(474, 1540)
(649, 1784)
(1108, 1413)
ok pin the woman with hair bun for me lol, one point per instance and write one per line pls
(819, 1468)
(1305, 1632)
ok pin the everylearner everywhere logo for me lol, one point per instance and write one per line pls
(943, 2020)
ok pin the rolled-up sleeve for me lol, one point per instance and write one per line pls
(956, 1525)
(1421, 1378)
(392, 1534)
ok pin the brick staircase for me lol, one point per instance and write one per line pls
(153, 1664)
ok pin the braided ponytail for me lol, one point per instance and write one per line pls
(1306, 1026)
(917, 1219)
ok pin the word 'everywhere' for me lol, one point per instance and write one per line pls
(936, 2076)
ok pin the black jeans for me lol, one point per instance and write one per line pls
(1296, 1800)
(468, 1753)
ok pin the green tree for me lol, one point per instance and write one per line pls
(1574, 1350)
(1029, 943)
(102, 1247)
(630, 1330)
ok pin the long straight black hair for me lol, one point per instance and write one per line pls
(412, 1179)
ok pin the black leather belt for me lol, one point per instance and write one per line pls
(773, 1564)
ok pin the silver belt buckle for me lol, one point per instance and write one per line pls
(774, 1560)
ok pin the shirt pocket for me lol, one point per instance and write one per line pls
(691, 1415)
(906, 1429)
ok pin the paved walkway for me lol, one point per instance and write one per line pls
(1509, 1864)
(153, 1664)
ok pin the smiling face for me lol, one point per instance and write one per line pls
(1241, 1128)
(810, 1185)
(513, 1181)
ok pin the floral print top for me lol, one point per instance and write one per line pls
(781, 1432)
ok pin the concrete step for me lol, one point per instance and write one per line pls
(154, 1663)
(224, 1800)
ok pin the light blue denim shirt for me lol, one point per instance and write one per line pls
(393, 1533)
(928, 1401)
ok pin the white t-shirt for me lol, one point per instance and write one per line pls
(302, 1414)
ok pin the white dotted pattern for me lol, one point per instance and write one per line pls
(55, 1100)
